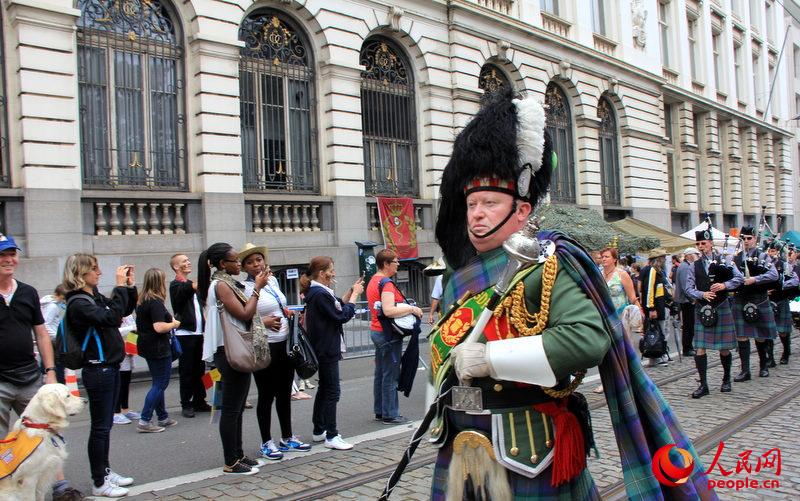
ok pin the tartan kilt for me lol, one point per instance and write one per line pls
(783, 320)
(720, 336)
(581, 488)
(765, 328)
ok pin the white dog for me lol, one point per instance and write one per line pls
(43, 418)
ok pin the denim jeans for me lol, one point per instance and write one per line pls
(235, 386)
(160, 369)
(102, 387)
(388, 351)
(328, 391)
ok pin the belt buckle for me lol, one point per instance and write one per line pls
(466, 399)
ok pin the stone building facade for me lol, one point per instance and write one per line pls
(135, 129)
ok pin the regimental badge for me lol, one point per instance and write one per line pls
(457, 326)
(706, 235)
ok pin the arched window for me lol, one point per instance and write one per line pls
(388, 120)
(130, 78)
(609, 159)
(276, 89)
(491, 79)
(559, 125)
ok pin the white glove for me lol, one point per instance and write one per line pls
(469, 360)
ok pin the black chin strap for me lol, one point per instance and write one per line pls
(499, 225)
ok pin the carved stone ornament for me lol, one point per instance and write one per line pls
(638, 18)
(502, 49)
(564, 68)
(394, 16)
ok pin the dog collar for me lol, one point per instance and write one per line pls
(26, 422)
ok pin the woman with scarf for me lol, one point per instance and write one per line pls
(324, 316)
(222, 287)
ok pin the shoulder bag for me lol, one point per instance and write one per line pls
(299, 350)
(406, 325)
(240, 350)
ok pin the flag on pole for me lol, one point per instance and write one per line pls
(216, 402)
(399, 226)
(130, 343)
(211, 377)
(71, 380)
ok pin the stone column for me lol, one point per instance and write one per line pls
(732, 199)
(713, 167)
(45, 149)
(689, 151)
(751, 192)
(786, 187)
(216, 166)
(588, 178)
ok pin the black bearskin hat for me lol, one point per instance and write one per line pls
(747, 230)
(500, 142)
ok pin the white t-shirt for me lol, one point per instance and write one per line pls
(198, 316)
(269, 304)
(436, 293)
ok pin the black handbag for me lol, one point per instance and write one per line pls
(299, 350)
(653, 344)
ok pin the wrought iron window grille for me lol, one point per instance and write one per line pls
(491, 79)
(388, 121)
(131, 94)
(277, 106)
(559, 126)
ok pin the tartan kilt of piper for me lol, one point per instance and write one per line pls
(765, 328)
(783, 320)
(581, 488)
(720, 336)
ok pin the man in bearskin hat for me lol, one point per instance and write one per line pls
(779, 255)
(707, 283)
(555, 321)
(752, 311)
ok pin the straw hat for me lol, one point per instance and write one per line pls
(249, 249)
(657, 252)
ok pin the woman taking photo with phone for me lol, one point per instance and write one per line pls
(154, 324)
(324, 316)
(99, 317)
(275, 382)
(223, 287)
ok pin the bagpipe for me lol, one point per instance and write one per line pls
(753, 266)
(719, 270)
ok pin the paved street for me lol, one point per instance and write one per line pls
(184, 463)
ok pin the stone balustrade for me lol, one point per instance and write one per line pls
(375, 220)
(139, 218)
(604, 45)
(555, 24)
(285, 217)
(501, 6)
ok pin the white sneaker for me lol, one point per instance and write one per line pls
(338, 443)
(121, 419)
(109, 489)
(318, 438)
(117, 479)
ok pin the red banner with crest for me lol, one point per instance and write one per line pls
(398, 226)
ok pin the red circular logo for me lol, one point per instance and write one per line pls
(668, 473)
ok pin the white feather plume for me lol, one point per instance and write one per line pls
(530, 133)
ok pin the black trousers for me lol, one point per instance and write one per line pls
(328, 391)
(124, 389)
(102, 389)
(687, 326)
(275, 384)
(190, 371)
(235, 386)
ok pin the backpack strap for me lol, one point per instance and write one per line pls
(90, 332)
(383, 282)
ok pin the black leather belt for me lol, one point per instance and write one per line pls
(500, 394)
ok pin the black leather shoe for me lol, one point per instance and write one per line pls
(743, 376)
(771, 363)
(784, 360)
(688, 353)
(763, 372)
(701, 391)
(726, 387)
(204, 407)
(187, 412)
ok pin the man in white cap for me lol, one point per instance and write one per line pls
(690, 255)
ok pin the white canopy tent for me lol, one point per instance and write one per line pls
(717, 236)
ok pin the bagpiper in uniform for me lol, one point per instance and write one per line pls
(555, 321)
(778, 252)
(707, 283)
(752, 311)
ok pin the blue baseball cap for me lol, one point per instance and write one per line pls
(7, 242)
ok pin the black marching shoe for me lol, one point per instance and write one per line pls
(763, 372)
(701, 391)
(784, 359)
(187, 412)
(726, 387)
(742, 376)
